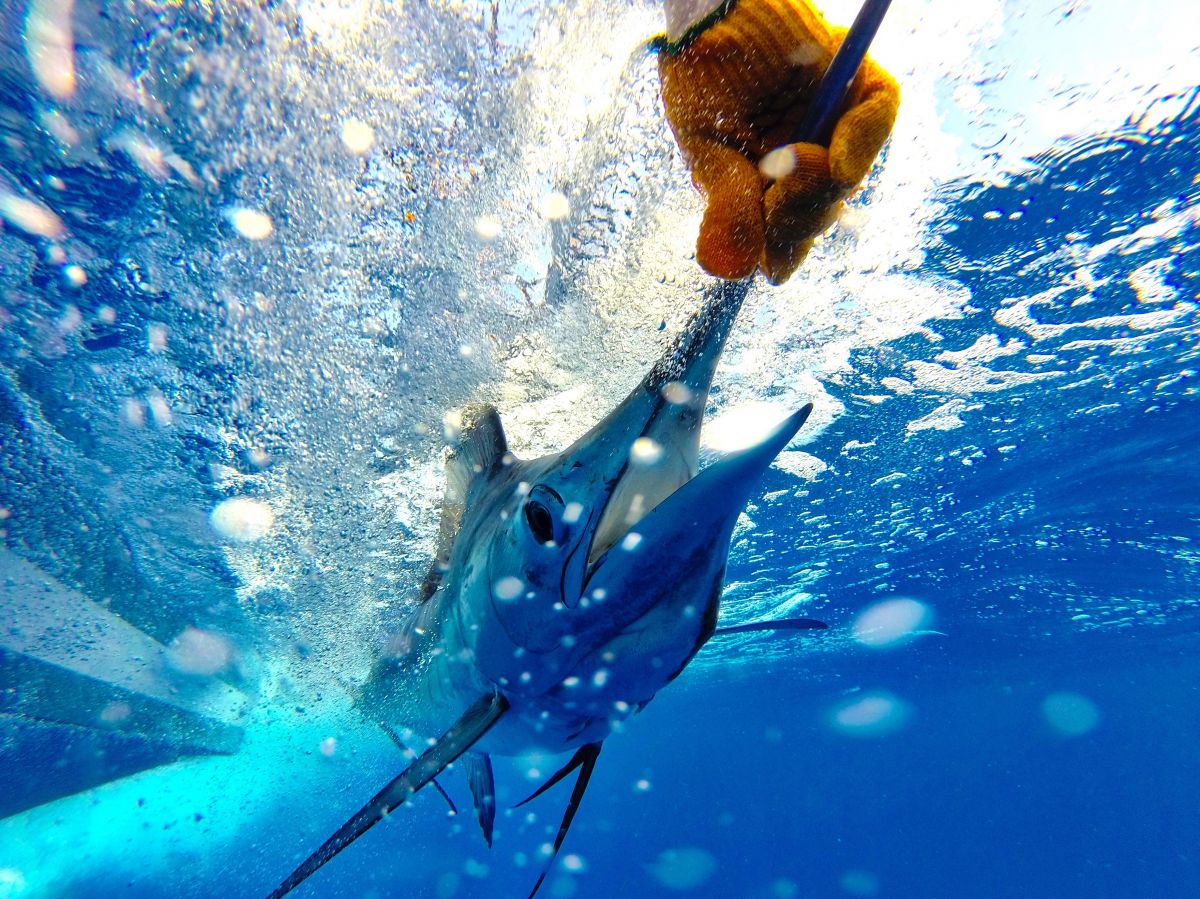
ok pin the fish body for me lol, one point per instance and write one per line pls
(569, 589)
(578, 584)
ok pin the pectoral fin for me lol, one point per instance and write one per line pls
(483, 790)
(461, 736)
(782, 624)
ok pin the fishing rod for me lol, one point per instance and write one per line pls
(818, 124)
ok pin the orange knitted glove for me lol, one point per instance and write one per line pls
(737, 86)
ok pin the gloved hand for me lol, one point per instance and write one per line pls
(737, 88)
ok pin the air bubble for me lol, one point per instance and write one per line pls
(860, 883)
(871, 715)
(259, 458)
(508, 588)
(32, 218)
(645, 451)
(778, 163)
(133, 411)
(114, 713)
(683, 869)
(447, 885)
(50, 46)
(785, 889)
(199, 652)
(677, 392)
(554, 206)
(159, 410)
(12, 882)
(476, 869)
(242, 519)
(488, 228)
(251, 223)
(70, 320)
(357, 136)
(891, 622)
(1070, 714)
(156, 337)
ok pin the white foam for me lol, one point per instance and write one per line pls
(799, 464)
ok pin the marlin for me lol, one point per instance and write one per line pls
(567, 590)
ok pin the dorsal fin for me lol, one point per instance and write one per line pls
(476, 452)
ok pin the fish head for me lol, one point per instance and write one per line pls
(581, 546)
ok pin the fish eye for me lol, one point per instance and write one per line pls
(541, 523)
(544, 525)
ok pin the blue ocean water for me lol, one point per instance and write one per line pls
(213, 291)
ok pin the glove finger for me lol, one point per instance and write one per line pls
(796, 208)
(862, 131)
(731, 233)
(778, 267)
